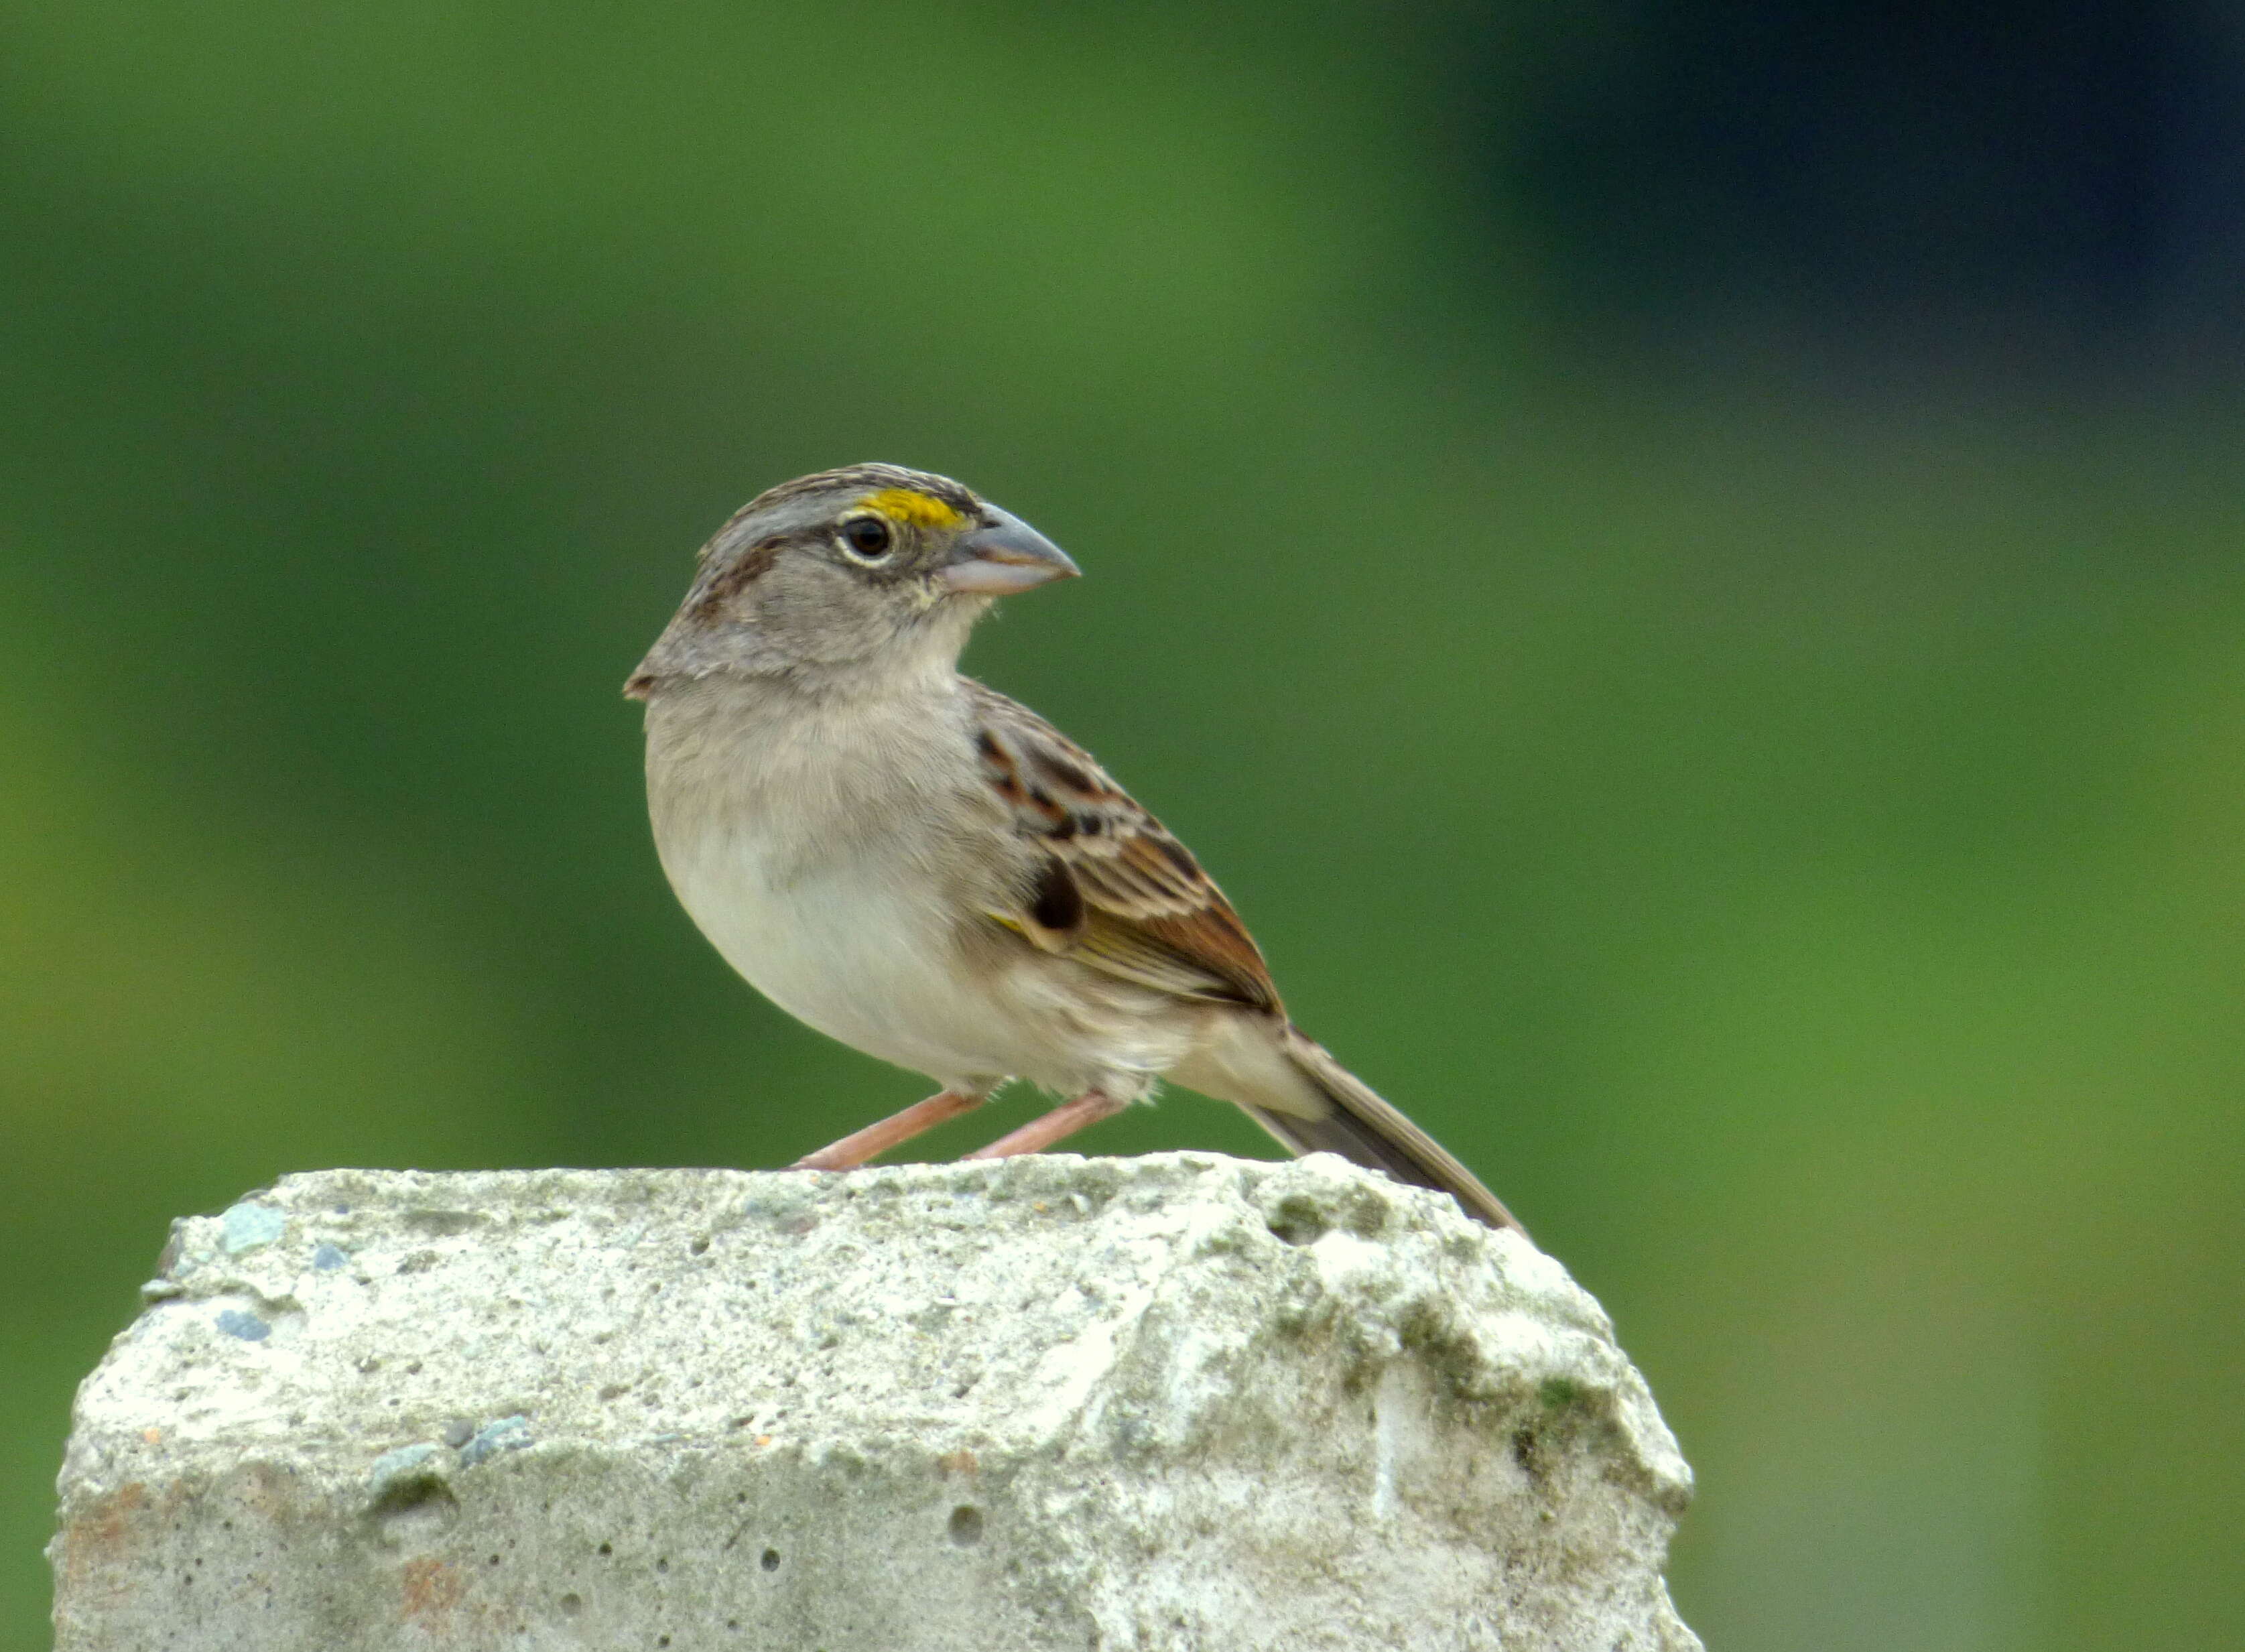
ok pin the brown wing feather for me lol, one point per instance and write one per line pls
(1149, 914)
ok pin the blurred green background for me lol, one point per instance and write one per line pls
(1686, 565)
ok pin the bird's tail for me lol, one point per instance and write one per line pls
(1312, 1103)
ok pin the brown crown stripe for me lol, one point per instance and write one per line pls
(868, 478)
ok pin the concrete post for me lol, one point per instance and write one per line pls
(1175, 1402)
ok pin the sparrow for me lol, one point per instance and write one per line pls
(929, 872)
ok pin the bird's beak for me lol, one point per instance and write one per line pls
(1006, 556)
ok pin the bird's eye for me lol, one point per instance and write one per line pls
(867, 537)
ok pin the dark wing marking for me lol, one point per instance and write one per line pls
(1141, 908)
(1056, 917)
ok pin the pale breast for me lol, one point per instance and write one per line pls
(828, 855)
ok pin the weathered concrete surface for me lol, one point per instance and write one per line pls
(1177, 1402)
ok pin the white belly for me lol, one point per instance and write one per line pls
(841, 946)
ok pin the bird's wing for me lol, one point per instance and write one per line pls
(1116, 891)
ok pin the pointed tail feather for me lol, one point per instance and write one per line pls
(1364, 1130)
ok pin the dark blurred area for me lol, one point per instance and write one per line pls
(1685, 567)
(2041, 188)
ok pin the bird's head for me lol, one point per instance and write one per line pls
(869, 566)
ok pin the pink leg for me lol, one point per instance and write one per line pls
(1063, 1120)
(893, 1131)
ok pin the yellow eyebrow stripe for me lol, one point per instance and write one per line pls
(909, 505)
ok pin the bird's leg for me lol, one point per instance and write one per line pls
(1063, 1120)
(857, 1147)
